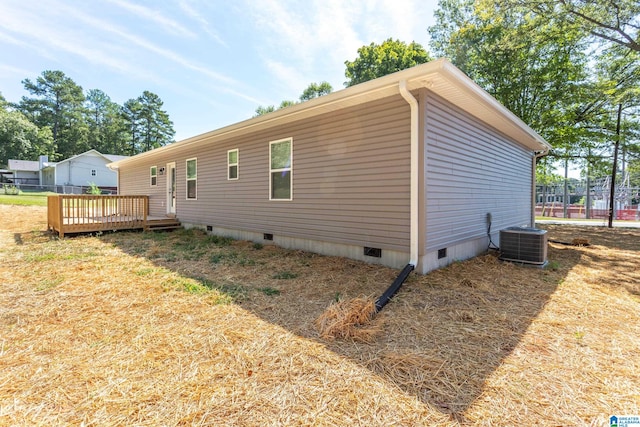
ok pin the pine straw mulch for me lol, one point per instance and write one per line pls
(186, 329)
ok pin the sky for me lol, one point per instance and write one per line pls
(212, 62)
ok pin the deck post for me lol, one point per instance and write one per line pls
(145, 208)
(60, 218)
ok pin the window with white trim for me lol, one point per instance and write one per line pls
(153, 174)
(233, 163)
(281, 169)
(192, 179)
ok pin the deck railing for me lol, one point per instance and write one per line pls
(87, 213)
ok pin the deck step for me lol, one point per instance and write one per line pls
(172, 227)
(163, 224)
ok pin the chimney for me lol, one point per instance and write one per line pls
(43, 160)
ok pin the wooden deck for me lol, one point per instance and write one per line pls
(90, 213)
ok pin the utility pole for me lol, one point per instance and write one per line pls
(565, 197)
(615, 167)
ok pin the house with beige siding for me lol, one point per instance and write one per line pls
(403, 169)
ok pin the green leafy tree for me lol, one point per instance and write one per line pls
(611, 21)
(314, 90)
(375, 60)
(20, 139)
(132, 116)
(3, 102)
(286, 103)
(264, 110)
(107, 127)
(57, 103)
(148, 124)
(157, 128)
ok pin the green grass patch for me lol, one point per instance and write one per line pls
(225, 293)
(147, 271)
(231, 257)
(284, 275)
(189, 285)
(48, 284)
(24, 199)
(269, 291)
(55, 255)
(553, 265)
(219, 240)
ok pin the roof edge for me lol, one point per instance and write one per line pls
(440, 66)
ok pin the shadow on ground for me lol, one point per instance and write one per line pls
(441, 337)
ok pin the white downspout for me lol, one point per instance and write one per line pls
(414, 241)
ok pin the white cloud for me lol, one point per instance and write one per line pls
(147, 45)
(9, 71)
(48, 38)
(154, 16)
(315, 38)
(191, 12)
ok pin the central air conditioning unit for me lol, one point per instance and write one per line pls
(524, 245)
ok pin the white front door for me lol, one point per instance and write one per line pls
(171, 189)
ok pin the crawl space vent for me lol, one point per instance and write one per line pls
(525, 245)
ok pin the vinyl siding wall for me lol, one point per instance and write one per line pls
(471, 170)
(135, 180)
(350, 179)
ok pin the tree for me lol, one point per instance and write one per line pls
(20, 139)
(157, 127)
(535, 69)
(375, 61)
(107, 127)
(612, 21)
(57, 103)
(286, 103)
(314, 90)
(148, 124)
(546, 68)
(264, 110)
(131, 114)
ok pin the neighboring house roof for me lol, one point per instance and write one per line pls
(92, 151)
(34, 166)
(114, 157)
(23, 165)
(439, 76)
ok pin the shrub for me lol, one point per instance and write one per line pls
(11, 190)
(93, 189)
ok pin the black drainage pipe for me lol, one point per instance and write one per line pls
(394, 288)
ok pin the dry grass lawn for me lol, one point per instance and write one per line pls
(183, 328)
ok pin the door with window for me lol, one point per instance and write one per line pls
(171, 189)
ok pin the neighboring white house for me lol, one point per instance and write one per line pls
(81, 170)
(78, 171)
(24, 172)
